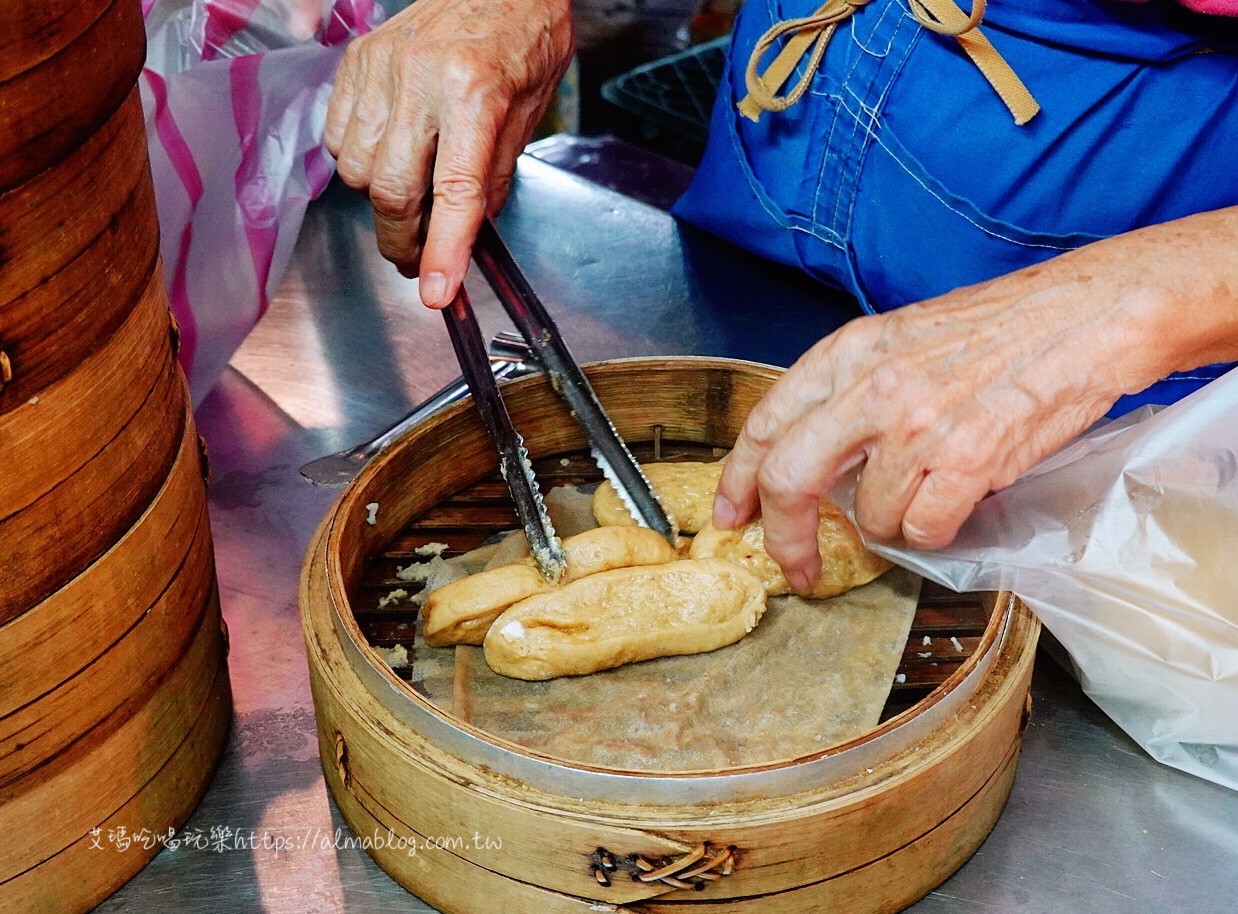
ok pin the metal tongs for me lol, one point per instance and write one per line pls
(536, 326)
(508, 356)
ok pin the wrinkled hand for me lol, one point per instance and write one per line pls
(941, 402)
(437, 103)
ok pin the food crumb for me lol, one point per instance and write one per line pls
(925, 655)
(371, 513)
(416, 572)
(394, 597)
(430, 550)
(395, 657)
(958, 645)
(564, 462)
(900, 678)
(32, 401)
(927, 641)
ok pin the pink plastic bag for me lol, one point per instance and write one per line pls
(235, 94)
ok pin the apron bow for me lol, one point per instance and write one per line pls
(814, 31)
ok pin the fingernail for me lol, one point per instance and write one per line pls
(725, 514)
(799, 582)
(433, 289)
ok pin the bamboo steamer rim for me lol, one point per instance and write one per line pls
(554, 775)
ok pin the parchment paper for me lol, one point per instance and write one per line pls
(812, 674)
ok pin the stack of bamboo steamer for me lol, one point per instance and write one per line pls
(114, 700)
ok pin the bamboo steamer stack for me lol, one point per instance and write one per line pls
(474, 823)
(114, 701)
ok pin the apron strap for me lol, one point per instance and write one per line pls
(941, 16)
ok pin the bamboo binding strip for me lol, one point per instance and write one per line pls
(871, 838)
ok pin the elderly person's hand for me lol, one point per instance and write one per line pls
(941, 402)
(437, 103)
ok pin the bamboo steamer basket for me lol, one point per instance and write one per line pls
(80, 243)
(59, 638)
(81, 875)
(52, 528)
(132, 735)
(62, 81)
(34, 733)
(42, 29)
(868, 826)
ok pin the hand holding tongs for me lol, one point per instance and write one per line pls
(535, 324)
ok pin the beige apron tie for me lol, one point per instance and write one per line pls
(941, 16)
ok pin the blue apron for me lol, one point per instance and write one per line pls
(900, 174)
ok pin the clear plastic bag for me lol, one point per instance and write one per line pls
(235, 94)
(1123, 544)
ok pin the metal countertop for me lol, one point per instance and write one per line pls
(1093, 824)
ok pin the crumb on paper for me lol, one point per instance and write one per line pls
(394, 597)
(925, 656)
(900, 678)
(395, 657)
(927, 641)
(371, 513)
(958, 645)
(431, 550)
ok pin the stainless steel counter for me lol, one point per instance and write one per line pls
(1093, 824)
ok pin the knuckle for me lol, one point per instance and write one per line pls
(778, 483)
(761, 427)
(886, 379)
(958, 457)
(351, 171)
(459, 191)
(876, 522)
(923, 417)
(390, 195)
(461, 76)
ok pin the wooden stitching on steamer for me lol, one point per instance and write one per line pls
(692, 870)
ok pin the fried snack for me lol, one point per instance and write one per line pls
(624, 616)
(686, 491)
(461, 612)
(845, 563)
